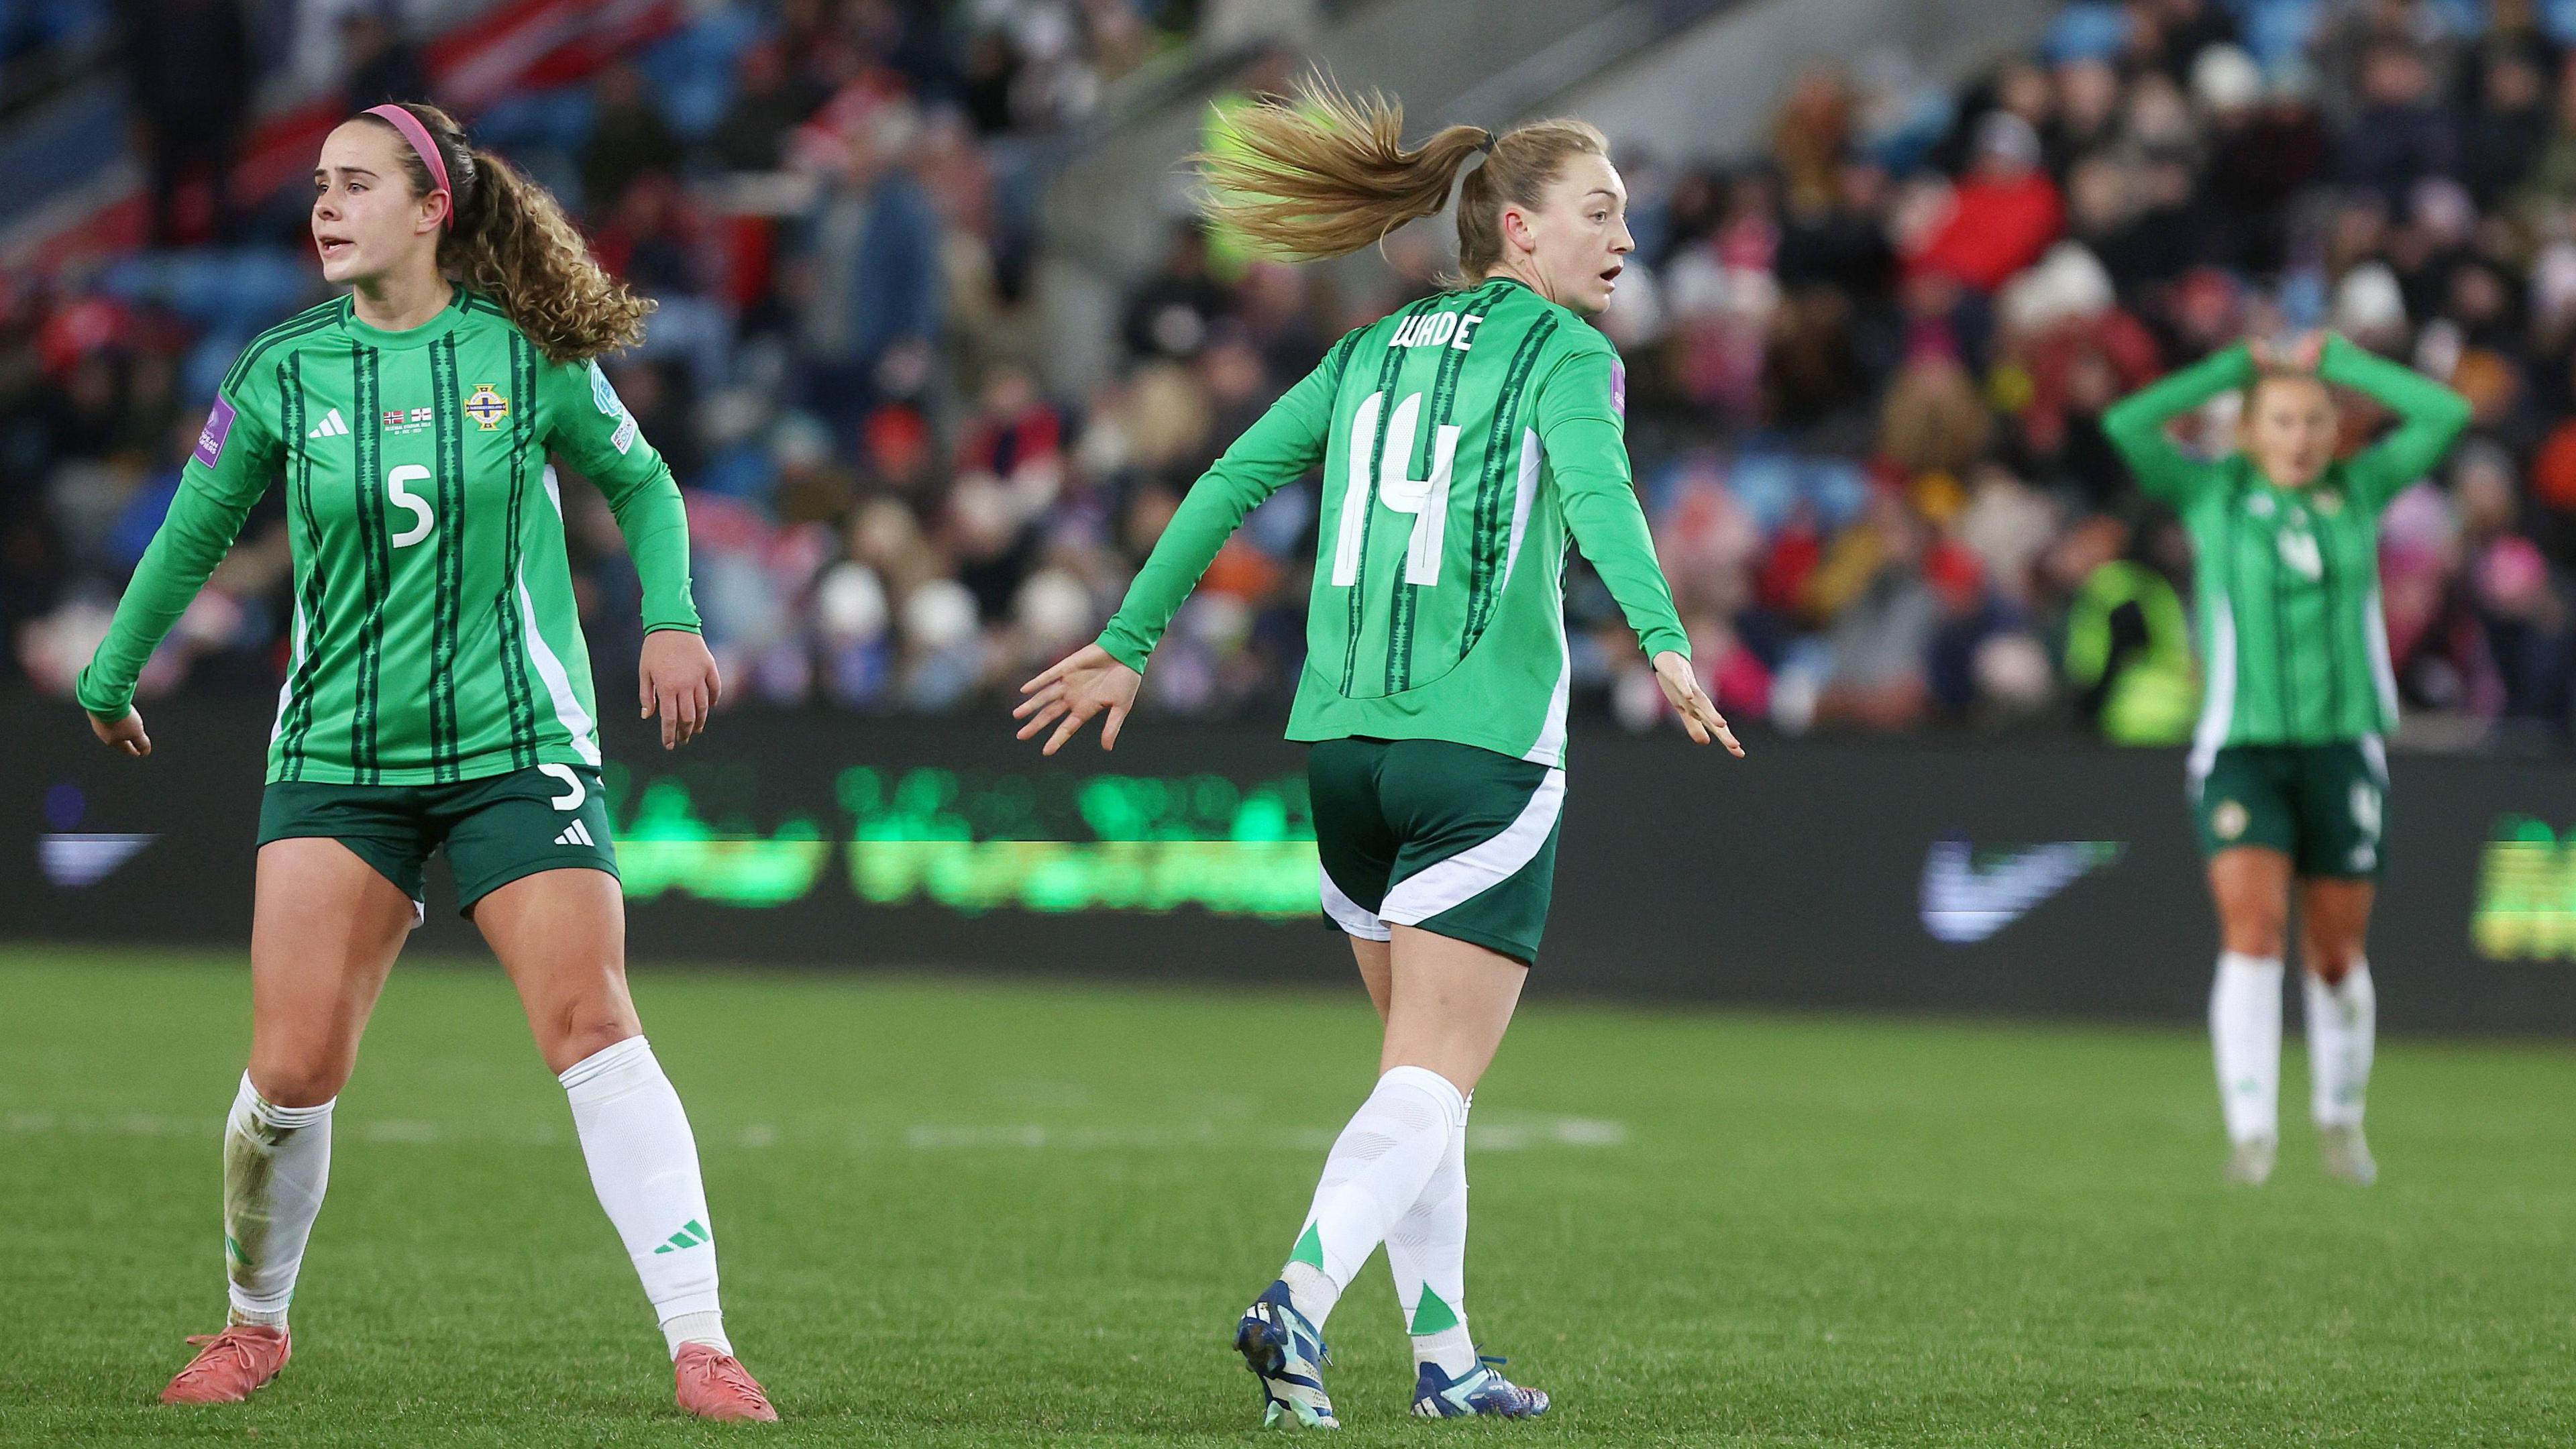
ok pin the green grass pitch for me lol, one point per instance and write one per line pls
(966, 1212)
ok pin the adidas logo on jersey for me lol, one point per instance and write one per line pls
(332, 426)
(576, 834)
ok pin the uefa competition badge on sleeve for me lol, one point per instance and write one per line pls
(219, 426)
(604, 394)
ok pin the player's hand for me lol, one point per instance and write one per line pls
(677, 679)
(1075, 688)
(1699, 712)
(124, 734)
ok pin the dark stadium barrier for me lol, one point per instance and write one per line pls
(2024, 874)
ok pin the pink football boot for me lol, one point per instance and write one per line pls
(714, 1385)
(230, 1365)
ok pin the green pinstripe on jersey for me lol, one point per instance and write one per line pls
(517, 695)
(457, 523)
(375, 559)
(1390, 367)
(1500, 456)
(435, 636)
(1444, 403)
(313, 623)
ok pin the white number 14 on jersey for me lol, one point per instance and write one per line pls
(1426, 499)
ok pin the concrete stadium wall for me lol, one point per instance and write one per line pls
(2040, 877)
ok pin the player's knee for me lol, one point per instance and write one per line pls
(2256, 934)
(585, 1028)
(306, 1078)
(2330, 963)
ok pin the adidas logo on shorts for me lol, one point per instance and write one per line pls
(576, 834)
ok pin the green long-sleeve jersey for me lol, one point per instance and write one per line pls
(2294, 647)
(435, 635)
(1465, 441)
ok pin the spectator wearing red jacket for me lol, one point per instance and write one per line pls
(2004, 213)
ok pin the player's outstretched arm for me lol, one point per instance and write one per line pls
(2430, 415)
(1580, 409)
(237, 454)
(1272, 453)
(2136, 423)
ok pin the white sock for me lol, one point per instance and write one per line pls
(1427, 1250)
(277, 1165)
(2343, 1020)
(1376, 1170)
(2245, 1036)
(644, 1164)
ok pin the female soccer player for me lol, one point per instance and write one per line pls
(2289, 776)
(1464, 441)
(439, 696)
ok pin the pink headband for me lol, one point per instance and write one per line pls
(418, 135)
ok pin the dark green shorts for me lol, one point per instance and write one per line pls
(1450, 838)
(495, 829)
(2324, 806)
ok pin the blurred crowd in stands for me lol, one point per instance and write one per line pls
(1866, 364)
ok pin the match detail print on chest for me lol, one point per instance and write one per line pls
(414, 429)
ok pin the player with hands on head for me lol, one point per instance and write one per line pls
(2289, 765)
(438, 696)
(1467, 442)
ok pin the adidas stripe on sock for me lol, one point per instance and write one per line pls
(644, 1165)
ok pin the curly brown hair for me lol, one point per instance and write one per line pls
(513, 243)
(1321, 173)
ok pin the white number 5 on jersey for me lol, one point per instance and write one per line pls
(422, 518)
(1426, 499)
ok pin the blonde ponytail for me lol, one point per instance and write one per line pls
(1322, 173)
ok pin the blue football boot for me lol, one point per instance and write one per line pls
(1287, 1353)
(1482, 1390)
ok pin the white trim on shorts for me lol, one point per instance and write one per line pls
(1480, 867)
(1349, 914)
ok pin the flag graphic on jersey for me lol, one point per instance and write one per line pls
(435, 636)
(2288, 578)
(1465, 441)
